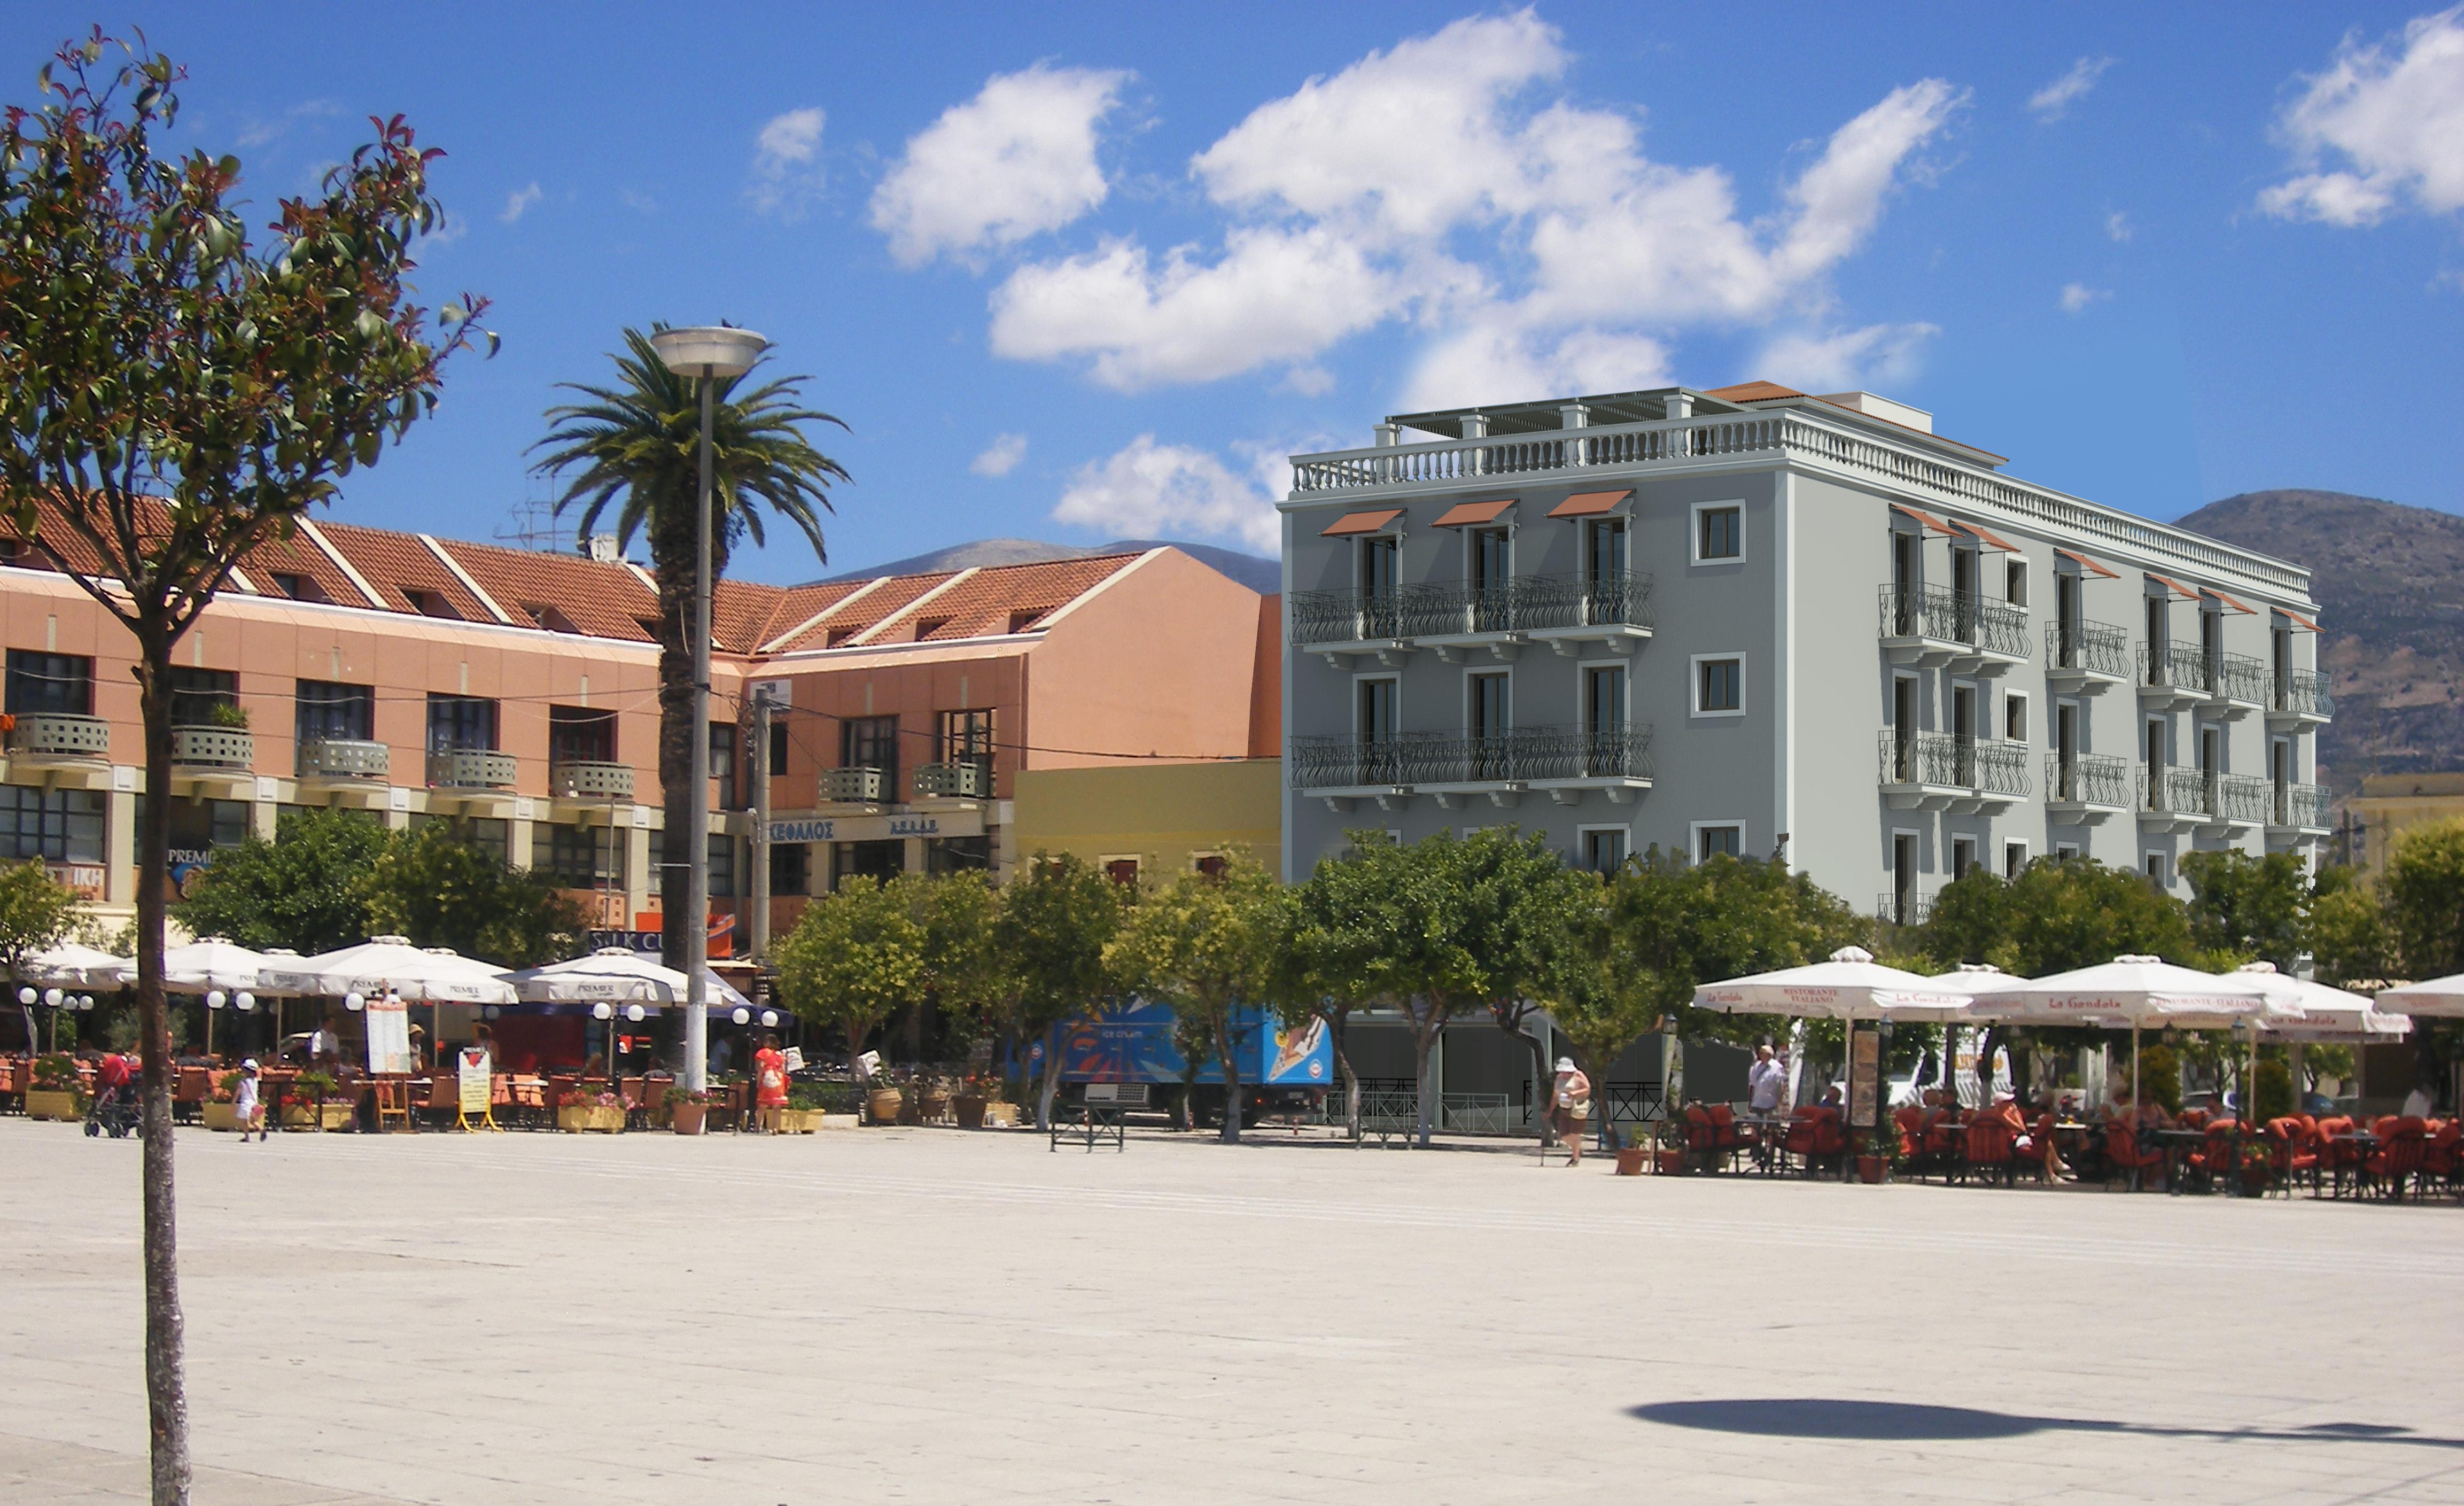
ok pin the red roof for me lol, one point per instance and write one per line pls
(1752, 392)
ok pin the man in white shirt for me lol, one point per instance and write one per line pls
(1766, 1086)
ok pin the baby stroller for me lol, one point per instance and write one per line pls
(115, 1101)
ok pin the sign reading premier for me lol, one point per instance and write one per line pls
(877, 828)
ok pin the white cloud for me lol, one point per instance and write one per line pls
(1149, 491)
(2118, 227)
(787, 162)
(2055, 100)
(1364, 197)
(258, 133)
(2078, 296)
(1878, 355)
(1001, 457)
(519, 202)
(2392, 116)
(1016, 160)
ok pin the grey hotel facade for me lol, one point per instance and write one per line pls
(1753, 620)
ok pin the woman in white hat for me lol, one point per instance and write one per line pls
(1569, 1108)
(245, 1106)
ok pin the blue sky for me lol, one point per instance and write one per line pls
(1089, 272)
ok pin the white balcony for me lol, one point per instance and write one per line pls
(343, 761)
(2085, 659)
(2297, 813)
(968, 779)
(2300, 700)
(1926, 626)
(2085, 789)
(857, 786)
(1943, 771)
(59, 737)
(590, 781)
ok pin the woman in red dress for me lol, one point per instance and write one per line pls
(770, 1080)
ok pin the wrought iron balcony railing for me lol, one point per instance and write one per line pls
(2299, 806)
(2201, 792)
(2177, 666)
(2087, 779)
(344, 758)
(2090, 648)
(1948, 759)
(1899, 909)
(1931, 611)
(2304, 693)
(2237, 677)
(1522, 755)
(1520, 604)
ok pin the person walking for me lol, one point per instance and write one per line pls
(1765, 1087)
(245, 1106)
(1569, 1108)
(770, 1080)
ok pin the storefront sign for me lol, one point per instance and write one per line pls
(878, 828)
(84, 880)
(1864, 1076)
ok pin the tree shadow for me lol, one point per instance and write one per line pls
(1910, 1422)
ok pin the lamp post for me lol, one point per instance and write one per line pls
(708, 354)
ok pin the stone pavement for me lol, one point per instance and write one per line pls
(926, 1315)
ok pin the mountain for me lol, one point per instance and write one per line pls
(2390, 581)
(1255, 571)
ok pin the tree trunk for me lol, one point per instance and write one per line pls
(671, 554)
(1351, 1079)
(1051, 1087)
(1511, 1021)
(1227, 1052)
(1424, 1038)
(166, 1402)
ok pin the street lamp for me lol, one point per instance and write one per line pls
(708, 354)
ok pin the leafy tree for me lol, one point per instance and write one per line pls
(1524, 906)
(35, 912)
(1206, 945)
(2248, 907)
(635, 446)
(1602, 998)
(2350, 939)
(304, 890)
(172, 395)
(856, 959)
(1057, 917)
(966, 976)
(440, 891)
(2424, 896)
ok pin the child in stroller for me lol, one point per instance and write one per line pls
(115, 1098)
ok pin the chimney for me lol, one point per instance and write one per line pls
(1388, 436)
(1574, 415)
(1475, 426)
(1679, 404)
(602, 548)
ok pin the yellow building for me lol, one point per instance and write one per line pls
(2392, 803)
(1151, 820)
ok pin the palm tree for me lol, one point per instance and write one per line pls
(638, 441)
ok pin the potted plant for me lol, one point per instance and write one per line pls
(227, 714)
(304, 1105)
(222, 1105)
(884, 1101)
(588, 1108)
(1667, 1140)
(978, 1093)
(1635, 1153)
(1879, 1154)
(55, 1093)
(686, 1109)
(932, 1098)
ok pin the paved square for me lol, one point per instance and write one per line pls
(919, 1315)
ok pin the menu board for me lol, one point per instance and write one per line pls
(473, 1079)
(388, 1037)
(1864, 1076)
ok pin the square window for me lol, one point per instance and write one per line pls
(2063, 850)
(791, 868)
(2014, 717)
(2155, 868)
(1603, 850)
(1963, 857)
(1719, 532)
(1726, 840)
(1719, 686)
(2015, 582)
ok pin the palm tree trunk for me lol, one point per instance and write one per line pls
(674, 558)
(166, 1402)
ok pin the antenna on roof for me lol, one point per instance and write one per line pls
(531, 523)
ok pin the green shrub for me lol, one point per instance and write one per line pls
(2160, 1073)
(55, 1072)
(2272, 1091)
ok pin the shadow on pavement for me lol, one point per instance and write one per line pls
(1909, 1422)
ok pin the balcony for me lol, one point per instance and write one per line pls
(1926, 626)
(59, 737)
(2201, 799)
(2174, 674)
(2084, 657)
(969, 778)
(212, 749)
(2297, 813)
(590, 780)
(1944, 771)
(2086, 788)
(344, 759)
(2238, 685)
(2300, 699)
(1457, 619)
(478, 770)
(855, 786)
(1454, 768)
(1897, 909)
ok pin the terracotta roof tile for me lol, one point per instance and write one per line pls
(299, 555)
(1752, 392)
(745, 616)
(396, 562)
(1007, 598)
(599, 600)
(896, 593)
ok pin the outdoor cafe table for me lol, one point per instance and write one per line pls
(1770, 1137)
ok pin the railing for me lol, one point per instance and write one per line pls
(2299, 806)
(2087, 779)
(2304, 693)
(344, 758)
(1952, 482)
(2001, 768)
(59, 734)
(212, 747)
(855, 785)
(2092, 647)
(469, 769)
(1392, 1106)
(1519, 604)
(2202, 792)
(588, 779)
(2237, 677)
(1931, 612)
(966, 780)
(1518, 756)
(1946, 758)
(2177, 666)
(1901, 909)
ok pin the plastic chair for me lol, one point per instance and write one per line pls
(1702, 1137)
(2403, 1148)
(2131, 1159)
(1991, 1148)
(188, 1094)
(393, 1104)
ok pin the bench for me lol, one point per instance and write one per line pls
(1099, 1115)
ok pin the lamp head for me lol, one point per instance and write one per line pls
(742, 1015)
(634, 1013)
(708, 350)
(769, 1018)
(355, 1002)
(52, 997)
(214, 999)
(27, 995)
(602, 1010)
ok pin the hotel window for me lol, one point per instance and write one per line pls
(461, 722)
(1604, 851)
(722, 763)
(2015, 582)
(1719, 686)
(1963, 857)
(2014, 717)
(791, 868)
(965, 737)
(1377, 719)
(1214, 865)
(1718, 533)
(62, 825)
(723, 866)
(198, 826)
(582, 857)
(490, 834)
(1604, 553)
(1718, 841)
(579, 735)
(871, 742)
(1122, 870)
(343, 713)
(196, 692)
(777, 749)
(2155, 868)
(958, 854)
(60, 683)
(2014, 857)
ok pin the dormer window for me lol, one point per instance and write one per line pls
(299, 588)
(431, 604)
(549, 617)
(1021, 621)
(926, 627)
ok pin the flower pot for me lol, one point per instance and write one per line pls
(576, 1120)
(970, 1111)
(221, 1116)
(686, 1119)
(1669, 1163)
(883, 1104)
(1630, 1161)
(931, 1108)
(316, 1116)
(55, 1103)
(1869, 1169)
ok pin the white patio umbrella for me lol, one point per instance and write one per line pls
(2441, 997)
(73, 962)
(1848, 986)
(2329, 1016)
(2142, 992)
(619, 975)
(418, 974)
(207, 962)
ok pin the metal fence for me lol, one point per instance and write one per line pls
(2304, 692)
(1517, 755)
(1931, 612)
(1948, 759)
(1444, 609)
(2088, 779)
(2097, 648)
(2300, 806)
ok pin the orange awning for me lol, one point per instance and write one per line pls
(1589, 504)
(1463, 515)
(2304, 621)
(1351, 523)
(2235, 605)
(2086, 564)
(1991, 540)
(2179, 589)
(1924, 518)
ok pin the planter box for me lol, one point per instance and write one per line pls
(308, 1116)
(839, 1122)
(577, 1121)
(883, 1107)
(800, 1121)
(54, 1103)
(221, 1116)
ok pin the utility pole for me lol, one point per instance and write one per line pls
(761, 760)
